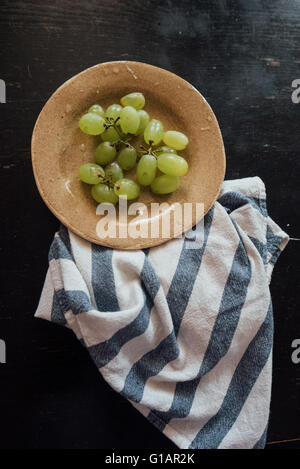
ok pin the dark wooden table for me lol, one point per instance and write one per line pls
(243, 57)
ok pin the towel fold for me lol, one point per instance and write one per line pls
(184, 334)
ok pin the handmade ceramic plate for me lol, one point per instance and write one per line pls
(59, 148)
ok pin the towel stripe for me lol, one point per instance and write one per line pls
(261, 247)
(216, 382)
(104, 352)
(177, 298)
(254, 414)
(82, 254)
(103, 281)
(61, 246)
(262, 441)
(273, 241)
(166, 269)
(78, 301)
(234, 296)
(160, 322)
(127, 267)
(57, 314)
(203, 303)
(234, 200)
(244, 378)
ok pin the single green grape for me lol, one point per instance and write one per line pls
(110, 135)
(136, 100)
(154, 132)
(103, 194)
(173, 165)
(127, 158)
(97, 109)
(127, 188)
(175, 139)
(113, 111)
(146, 170)
(113, 172)
(129, 120)
(165, 149)
(165, 184)
(92, 124)
(90, 173)
(105, 153)
(144, 120)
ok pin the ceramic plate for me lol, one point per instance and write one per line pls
(59, 148)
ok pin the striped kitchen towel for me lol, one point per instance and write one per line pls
(184, 334)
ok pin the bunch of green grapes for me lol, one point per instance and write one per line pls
(115, 154)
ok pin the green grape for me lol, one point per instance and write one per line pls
(105, 153)
(90, 173)
(165, 149)
(104, 194)
(113, 111)
(129, 120)
(173, 165)
(110, 135)
(135, 100)
(92, 124)
(146, 170)
(127, 188)
(154, 132)
(113, 172)
(127, 158)
(175, 139)
(97, 109)
(144, 120)
(165, 184)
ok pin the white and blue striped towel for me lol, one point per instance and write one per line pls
(184, 334)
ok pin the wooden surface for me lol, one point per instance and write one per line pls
(243, 57)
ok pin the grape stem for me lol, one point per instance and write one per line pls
(113, 123)
(149, 151)
(104, 180)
